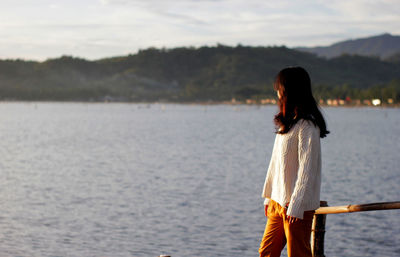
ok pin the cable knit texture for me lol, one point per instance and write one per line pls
(294, 172)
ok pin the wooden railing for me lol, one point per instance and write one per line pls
(318, 227)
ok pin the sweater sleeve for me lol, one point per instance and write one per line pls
(308, 151)
(268, 183)
(268, 179)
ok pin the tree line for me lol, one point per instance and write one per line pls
(190, 74)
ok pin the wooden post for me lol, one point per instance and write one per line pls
(318, 233)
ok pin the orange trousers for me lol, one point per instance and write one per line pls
(278, 232)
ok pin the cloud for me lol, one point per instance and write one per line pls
(98, 28)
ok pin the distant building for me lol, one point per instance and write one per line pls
(332, 102)
(376, 102)
(268, 101)
(367, 102)
(250, 101)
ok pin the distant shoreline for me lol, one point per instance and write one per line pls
(200, 103)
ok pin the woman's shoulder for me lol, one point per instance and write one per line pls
(307, 124)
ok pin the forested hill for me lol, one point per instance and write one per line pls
(385, 46)
(191, 74)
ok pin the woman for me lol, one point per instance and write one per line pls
(292, 184)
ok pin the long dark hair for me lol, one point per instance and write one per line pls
(296, 101)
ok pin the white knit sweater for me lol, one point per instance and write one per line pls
(294, 173)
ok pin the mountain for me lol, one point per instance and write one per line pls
(194, 74)
(382, 46)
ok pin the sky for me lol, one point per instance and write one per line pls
(94, 29)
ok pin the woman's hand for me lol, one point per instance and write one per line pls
(266, 210)
(292, 219)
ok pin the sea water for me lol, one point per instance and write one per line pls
(86, 179)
